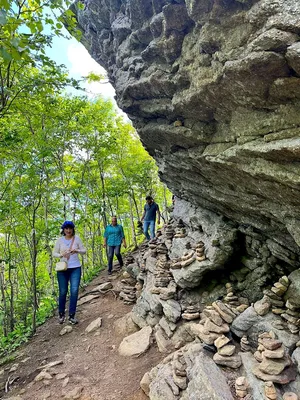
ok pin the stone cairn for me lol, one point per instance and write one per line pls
(225, 353)
(191, 312)
(230, 298)
(128, 291)
(245, 345)
(180, 231)
(179, 371)
(241, 387)
(212, 330)
(169, 233)
(164, 284)
(275, 365)
(289, 312)
(190, 256)
(270, 391)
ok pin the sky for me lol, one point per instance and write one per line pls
(79, 63)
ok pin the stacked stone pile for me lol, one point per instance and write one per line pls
(225, 353)
(200, 251)
(230, 298)
(180, 233)
(276, 293)
(292, 316)
(270, 391)
(241, 387)
(179, 371)
(129, 260)
(245, 345)
(128, 293)
(275, 364)
(169, 232)
(289, 312)
(191, 312)
(214, 323)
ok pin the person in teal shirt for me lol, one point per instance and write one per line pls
(113, 238)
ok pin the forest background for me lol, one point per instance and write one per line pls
(62, 157)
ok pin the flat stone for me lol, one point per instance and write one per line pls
(262, 306)
(137, 343)
(214, 316)
(226, 315)
(231, 362)
(74, 393)
(211, 327)
(227, 350)
(94, 325)
(103, 287)
(43, 375)
(221, 341)
(278, 353)
(190, 316)
(270, 344)
(65, 330)
(270, 391)
(287, 375)
(274, 366)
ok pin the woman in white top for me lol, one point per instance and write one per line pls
(67, 249)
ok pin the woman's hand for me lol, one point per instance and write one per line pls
(74, 251)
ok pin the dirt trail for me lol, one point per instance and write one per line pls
(91, 362)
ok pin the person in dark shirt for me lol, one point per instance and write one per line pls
(149, 217)
(113, 238)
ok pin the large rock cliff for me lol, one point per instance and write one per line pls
(213, 89)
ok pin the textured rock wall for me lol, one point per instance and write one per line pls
(213, 88)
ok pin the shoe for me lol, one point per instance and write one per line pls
(72, 320)
(109, 272)
(61, 318)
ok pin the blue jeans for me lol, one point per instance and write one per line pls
(111, 251)
(73, 276)
(150, 224)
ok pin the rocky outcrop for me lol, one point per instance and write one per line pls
(212, 87)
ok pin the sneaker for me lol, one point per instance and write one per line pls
(61, 318)
(109, 272)
(72, 320)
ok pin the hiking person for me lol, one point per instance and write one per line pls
(67, 249)
(149, 217)
(113, 238)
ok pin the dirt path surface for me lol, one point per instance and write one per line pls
(91, 364)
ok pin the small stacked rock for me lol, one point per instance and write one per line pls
(169, 232)
(139, 288)
(292, 316)
(275, 364)
(179, 371)
(200, 249)
(289, 312)
(230, 298)
(191, 312)
(129, 260)
(241, 386)
(276, 293)
(180, 233)
(245, 346)
(225, 353)
(128, 293)
(188, 258)
(270, 391)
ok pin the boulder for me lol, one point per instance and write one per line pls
(137, 343)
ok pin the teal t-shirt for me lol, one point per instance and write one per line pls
(114, 235)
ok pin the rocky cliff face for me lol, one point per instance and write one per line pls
(213, 88)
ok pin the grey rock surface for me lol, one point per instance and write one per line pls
(213, 90)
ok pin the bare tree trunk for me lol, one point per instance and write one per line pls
(132, 223)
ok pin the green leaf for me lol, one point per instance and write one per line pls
(5, 55)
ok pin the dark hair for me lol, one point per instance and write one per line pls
(63, 232)
(149, 198)
(67, 224)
